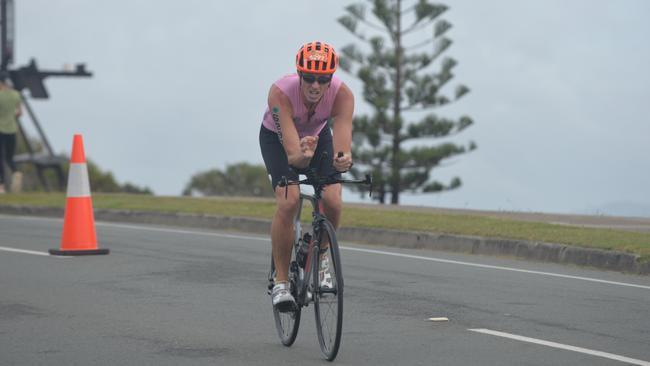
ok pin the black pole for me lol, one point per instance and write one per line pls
(3, 41)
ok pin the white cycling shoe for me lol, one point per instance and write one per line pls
(282, 298)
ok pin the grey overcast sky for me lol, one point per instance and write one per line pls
(560, 92)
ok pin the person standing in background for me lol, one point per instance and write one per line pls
(10, 110)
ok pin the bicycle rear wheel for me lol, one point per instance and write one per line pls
(328, 295)
(286, 323)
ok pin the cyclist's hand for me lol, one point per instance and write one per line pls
(308, 146)
(343, 162)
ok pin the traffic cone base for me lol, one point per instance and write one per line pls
(79, 252)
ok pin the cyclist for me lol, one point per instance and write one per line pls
(293, 135)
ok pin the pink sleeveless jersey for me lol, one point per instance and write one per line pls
(290, 86)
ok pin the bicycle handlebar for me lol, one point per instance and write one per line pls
(324, 181)
(319, 182)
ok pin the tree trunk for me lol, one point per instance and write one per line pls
(395, 169)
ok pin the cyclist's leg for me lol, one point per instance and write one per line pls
(282, 230)
(277, 165)
(332, 203)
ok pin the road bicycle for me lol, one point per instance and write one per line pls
(304, 277)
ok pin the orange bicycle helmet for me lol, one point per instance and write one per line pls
(316, 58)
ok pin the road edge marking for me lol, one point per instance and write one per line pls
(432, 259)
(567, 347)
(449, 261)
(24, 251)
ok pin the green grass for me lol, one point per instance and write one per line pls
(402, 219)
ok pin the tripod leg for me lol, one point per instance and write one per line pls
(60, 178)
(41, 177)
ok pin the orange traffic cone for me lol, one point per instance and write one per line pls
(79, 237)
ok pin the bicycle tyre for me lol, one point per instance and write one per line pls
(328, 303)
(286, 324)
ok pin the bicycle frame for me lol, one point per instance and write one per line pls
(308, 284)
(302, 282)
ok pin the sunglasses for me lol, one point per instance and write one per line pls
(323, 79)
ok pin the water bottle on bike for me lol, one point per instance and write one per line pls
(303, 251)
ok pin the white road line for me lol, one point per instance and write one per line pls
(432, 259)
(177, 231)
(381, 252)
(6, 249)
(567, 347)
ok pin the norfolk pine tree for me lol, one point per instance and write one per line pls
(399, 81)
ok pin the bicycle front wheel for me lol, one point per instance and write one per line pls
(286, 324)
(328, 291)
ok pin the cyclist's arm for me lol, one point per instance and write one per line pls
(282, 112)
(342, 113)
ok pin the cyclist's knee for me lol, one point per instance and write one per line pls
(332, 198)
(287, 206)
(332, 194)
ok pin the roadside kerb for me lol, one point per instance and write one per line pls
(547, 252)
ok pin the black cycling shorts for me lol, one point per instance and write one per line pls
(277, 164)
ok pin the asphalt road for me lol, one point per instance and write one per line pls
(167, 296)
